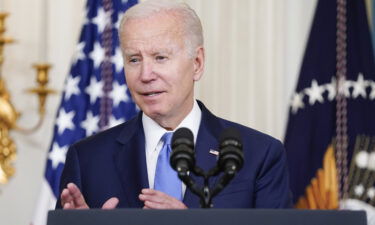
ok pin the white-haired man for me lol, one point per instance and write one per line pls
(162, 45)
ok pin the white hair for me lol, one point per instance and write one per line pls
(191, 24)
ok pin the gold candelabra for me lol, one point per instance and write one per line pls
(8, 113)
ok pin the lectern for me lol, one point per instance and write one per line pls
(206, 217)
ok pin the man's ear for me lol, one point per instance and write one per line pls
(199, 63)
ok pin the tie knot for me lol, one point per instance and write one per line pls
(167, 137)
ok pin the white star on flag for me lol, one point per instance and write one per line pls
(114, 122)
(118, 94)
(94, 90)
(87, 20)
(71, 87)
(57, 155)
(65, 121)
(119, 18)
(118, 60)
(97, 55)
(79, 54)
(372, 94)
(297, 102)
(315, 93)
(331, 88)
(90, 124)
(102, 19)
(359, 87)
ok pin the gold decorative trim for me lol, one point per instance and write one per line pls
(322, 193)
(8, 113)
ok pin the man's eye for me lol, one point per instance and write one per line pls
(161, 58)
(133, 60)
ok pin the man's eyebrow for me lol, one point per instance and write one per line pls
(163, 51)
(130, 53)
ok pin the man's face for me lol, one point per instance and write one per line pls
(159, 72)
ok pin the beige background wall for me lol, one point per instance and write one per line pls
(254, 49)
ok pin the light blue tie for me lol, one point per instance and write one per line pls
(166, 179)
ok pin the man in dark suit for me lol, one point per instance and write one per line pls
(162, 45)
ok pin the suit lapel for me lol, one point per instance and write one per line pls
(207, 140)
(130, 162)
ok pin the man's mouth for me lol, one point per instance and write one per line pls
(151, 94)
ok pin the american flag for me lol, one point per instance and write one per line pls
(95, 95)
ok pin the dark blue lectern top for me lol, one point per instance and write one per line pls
(206, 217)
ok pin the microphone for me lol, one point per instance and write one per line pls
(182, 158)
(231, 155)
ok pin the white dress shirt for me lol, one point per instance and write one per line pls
(154, 132)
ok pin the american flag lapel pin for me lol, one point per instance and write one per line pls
(214, 152)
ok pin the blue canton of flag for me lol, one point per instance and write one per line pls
(312, 130)
(95, 95)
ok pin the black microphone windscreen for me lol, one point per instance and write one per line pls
(184, 133)
(182, 157)
(230, 134)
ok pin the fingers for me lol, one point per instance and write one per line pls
(78, 199)
(66, 198)
(67, 201)
(110, 203)
(68, 206)
(153, 195)
(72, 198)
(158, 200)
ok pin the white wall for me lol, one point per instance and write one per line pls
(254, 48)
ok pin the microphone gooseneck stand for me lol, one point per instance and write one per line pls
(230, 161)
(206, 193)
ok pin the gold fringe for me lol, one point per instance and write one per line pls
(322, 193)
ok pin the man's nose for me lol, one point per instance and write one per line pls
(147, 71)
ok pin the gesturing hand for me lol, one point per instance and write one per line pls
(72, 198)
(154, 199)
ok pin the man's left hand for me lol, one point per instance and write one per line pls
(154, 199)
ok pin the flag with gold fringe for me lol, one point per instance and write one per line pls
(330, 137)
(95, 93)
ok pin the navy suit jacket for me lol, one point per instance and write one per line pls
(113, 164)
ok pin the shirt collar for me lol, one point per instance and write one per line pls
(153, 131)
